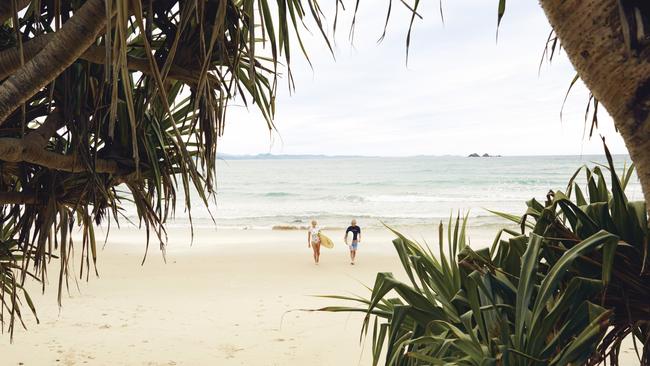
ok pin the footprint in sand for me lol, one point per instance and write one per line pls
(229, 350)
(69, 359)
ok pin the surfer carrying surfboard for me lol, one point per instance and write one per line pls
(356, 239)
(313, 240)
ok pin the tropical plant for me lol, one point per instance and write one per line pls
(566, 289)
(108, 101)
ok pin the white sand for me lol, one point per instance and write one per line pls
(220, 302)
(224, 301)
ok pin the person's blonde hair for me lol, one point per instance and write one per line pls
(314, 222)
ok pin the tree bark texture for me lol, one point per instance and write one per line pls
(71, 41)
(594, 37)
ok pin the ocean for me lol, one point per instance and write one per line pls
(284, 194)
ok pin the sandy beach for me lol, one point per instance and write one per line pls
(224, 301)
(232, 298)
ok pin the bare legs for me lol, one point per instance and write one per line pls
(316, 249)
(353, 254)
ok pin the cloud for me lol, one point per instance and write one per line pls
(462, 91)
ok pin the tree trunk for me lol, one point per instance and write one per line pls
(598, 45)
(76, 35)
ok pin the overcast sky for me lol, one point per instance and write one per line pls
(461, 91)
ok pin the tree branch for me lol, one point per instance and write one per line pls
(76, 35)
(10, 61)
(19, 150)
(5, 8)
(31, 149)
(18, 198)
(40, 136)
(97, 55)
(10, 58)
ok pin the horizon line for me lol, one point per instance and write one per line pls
(262, 155)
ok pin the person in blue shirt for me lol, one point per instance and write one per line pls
(356, 239)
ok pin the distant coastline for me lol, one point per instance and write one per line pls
(288, 156)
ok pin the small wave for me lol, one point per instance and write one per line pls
(354, 198)
(403, 198)
(302, 227)
(347, 198)
(367, 183)
(423, 199)
(289, 227)
(278, 194)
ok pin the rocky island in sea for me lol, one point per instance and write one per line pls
(486, 155)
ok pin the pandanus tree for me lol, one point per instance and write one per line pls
(104, 101)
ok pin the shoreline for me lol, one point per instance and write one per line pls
(214, 235)
(331, 222)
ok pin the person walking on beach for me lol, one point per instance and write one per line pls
(356, 239)
(313, 240)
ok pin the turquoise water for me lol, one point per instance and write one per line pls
(281, 193)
